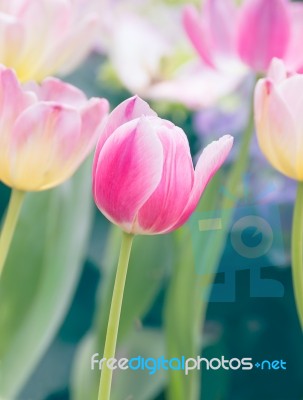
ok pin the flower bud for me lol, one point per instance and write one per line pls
(143, 175)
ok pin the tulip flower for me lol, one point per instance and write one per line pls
(169, 70)
(278, 117)
(144, 182)
(139, 156)
(252, 33)
(40, 38)
(46, 133)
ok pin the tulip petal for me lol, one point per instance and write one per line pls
(291, 90)
(93, 118)
(197, 33)
(218, 15)
(276, 130)
(264, 32)
(128, 110)
(168, 201)
(294, 56)
(128, 170)
(277, 71)
(211, 159)
(53, 89)
(79, 43)
(93, 114)
(198, 86)
(12, 33)
(43, 143)
(67, 53)
(44, 23)
(13, 100)
(136, 67)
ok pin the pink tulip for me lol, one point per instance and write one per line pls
(253, 33)
(46, 131)
(294, 56)
(169, 70)
(279, 119)
(39, 38)
(143, 176)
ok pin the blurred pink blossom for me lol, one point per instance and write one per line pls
(252, 33)
(39, 38)
(153, 58)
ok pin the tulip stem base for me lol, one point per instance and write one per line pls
(114, 316)
(10, 222)
(297, 252)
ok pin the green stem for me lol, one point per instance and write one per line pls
(297, 252)
(12, 215)
(114, 316)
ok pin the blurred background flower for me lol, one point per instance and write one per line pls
(169, 70)
(260, 31)
(39, 38)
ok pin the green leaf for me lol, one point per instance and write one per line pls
(182, 314)
(85, 381)
(210, 378)
(41, 274)
(187, 298)
(127, 384)
(140, 384)
(184, 305)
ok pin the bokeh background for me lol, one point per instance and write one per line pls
(56, 287)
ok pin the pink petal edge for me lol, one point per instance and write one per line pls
(211, 159)
(195, 30)
(130, 109)
(264, 32)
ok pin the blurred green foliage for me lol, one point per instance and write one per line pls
(40, 276)
(60, 232)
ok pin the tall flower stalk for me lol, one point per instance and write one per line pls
(114, 315)
(11, 219)
(297, 252)
(144, 182)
